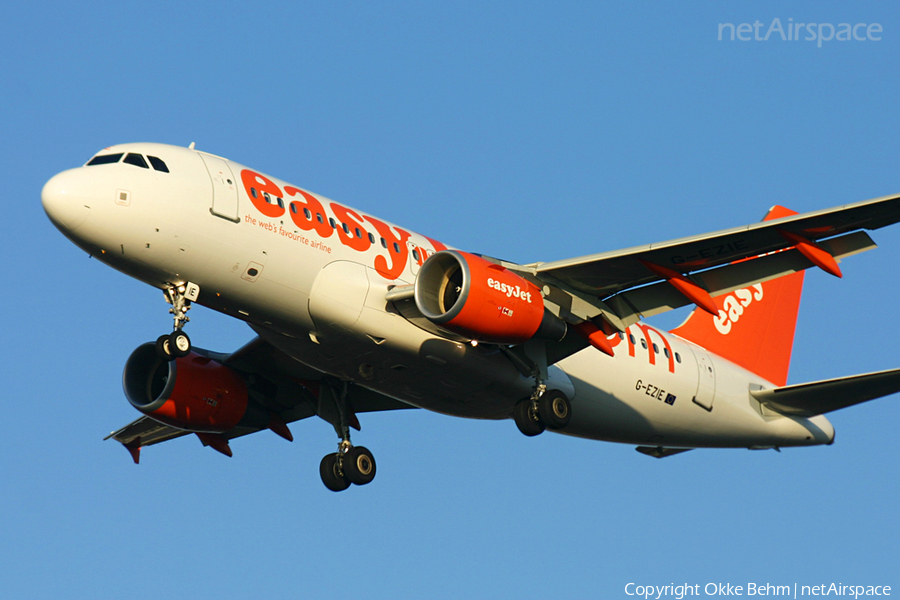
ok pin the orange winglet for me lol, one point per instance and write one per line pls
(814, 252)
(595, 337)
(216, 442)
(691, 290)
(277, 425)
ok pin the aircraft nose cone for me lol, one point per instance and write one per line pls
(62, 201)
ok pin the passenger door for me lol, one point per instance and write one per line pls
(225, 194)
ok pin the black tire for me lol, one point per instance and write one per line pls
(359, 465)
(555, 409)
(331, 477)
(179, 344)
(527, 422)
(162, 347)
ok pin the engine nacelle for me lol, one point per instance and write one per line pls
(193, 393)
(483, 301)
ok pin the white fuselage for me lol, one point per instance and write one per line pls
(319, 295)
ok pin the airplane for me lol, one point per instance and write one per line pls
(354, 314)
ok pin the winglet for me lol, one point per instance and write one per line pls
(691, 290)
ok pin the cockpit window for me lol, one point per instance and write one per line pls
(158, 164)
(136, 160)
(105, 159)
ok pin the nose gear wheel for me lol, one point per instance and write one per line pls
(177, 344)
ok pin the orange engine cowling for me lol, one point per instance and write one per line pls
(193, 393)
(483, 301)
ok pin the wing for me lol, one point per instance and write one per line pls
(280, 385)
(610, 284)
(820, 397)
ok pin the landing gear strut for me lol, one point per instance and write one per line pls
(545, 408)
(177, 344)
(350, 464)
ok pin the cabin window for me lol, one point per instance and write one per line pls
(666, 352)
(396, 248)
(677, 358)
(631, 339)
(416, 255)
(643, 343)
(105, 159)
(345, 228)
(358, 233)
(655, 349)
(319, 218)
(383, 243)
(253, 192)
(307, 214)
(332, 223)
(371, 239)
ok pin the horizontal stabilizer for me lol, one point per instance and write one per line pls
(820, 397)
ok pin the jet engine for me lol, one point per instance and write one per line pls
(483, 301)
(194, 393)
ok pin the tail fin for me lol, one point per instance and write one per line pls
(755, 325)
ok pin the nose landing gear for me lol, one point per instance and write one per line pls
(177, 344)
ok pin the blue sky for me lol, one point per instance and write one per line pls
(523, 130)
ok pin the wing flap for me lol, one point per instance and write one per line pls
(820, 397)
(660, 297)
(605, 274)
(147, 430)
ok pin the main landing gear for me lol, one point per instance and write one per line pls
(350, 464)
(545, 409)
(177, 344)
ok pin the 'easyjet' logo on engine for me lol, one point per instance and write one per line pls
(734, 306)
(511, 291)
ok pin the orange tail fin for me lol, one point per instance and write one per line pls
(755, 325)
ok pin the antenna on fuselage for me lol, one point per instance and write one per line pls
(191, 147)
